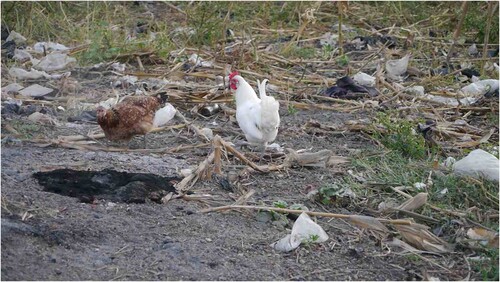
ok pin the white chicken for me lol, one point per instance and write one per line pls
(258, 118)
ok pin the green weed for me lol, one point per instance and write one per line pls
(401, 136)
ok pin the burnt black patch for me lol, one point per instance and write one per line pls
(107, 184)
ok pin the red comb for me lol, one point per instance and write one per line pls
(233, 74)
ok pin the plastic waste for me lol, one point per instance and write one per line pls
(482, 87)
(12, 88)
(38, 117)
(19, 73)
(35, 90)
(364, 79)
(418, 91)
(54, 62)
(396, 68)
(208, 133)
(199, 62)
(328, 39)
(49, 47)
(16, 37)
(478, 163)
(304, 229)
(118, 67)
(125, 81)
(164, 115)
(21, 55)
(472, 50)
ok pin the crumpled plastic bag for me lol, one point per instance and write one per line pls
(396, 68)
(164, 115)
(482, 87)
(364, 79)
(478, 163)
(16, 37)
(21, 55)
(303, 230)
(12, 88)
(199, 62)
(35, 90)
(55, 62)
(19, 73)
(49, 47)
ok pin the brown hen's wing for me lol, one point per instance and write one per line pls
(149, 103)
(130, 114)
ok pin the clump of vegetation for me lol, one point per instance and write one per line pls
(401, 136)
(343, 60)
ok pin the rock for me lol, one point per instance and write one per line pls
(478, 163)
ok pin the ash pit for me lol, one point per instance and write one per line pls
(107, 184)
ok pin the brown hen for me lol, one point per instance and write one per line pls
(132, 116)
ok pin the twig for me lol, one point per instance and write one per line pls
(491, 9)
(456, 34)
(323, 214)
(192, 126)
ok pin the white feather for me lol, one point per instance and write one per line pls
(164, 115)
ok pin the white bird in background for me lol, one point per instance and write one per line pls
(258, 118)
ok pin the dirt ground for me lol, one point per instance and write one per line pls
(61, 238)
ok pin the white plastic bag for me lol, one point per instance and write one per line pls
(304, 229)
(478, 163)
(164, 115)
(54, 62)
(364, 79)
(396, 68)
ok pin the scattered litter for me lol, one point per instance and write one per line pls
(118, 67)
(12, 88)
(417, 91)
(38, 117)
(164, 115)
(125, 81)
(185, 172)
(35, 90)
(304, 230)
(478, 163)
(483, 87)
(16, 37)
(472, 51)
(210, 110)
(347, 88)
(49, 47)
(419, 185)
(364, 79)
(328, 39)
(207, 132)
(55, 62)
(449, 161)
(199, 62)
(19, 73)
(109, 103)
(21, 56)
(396, 68)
